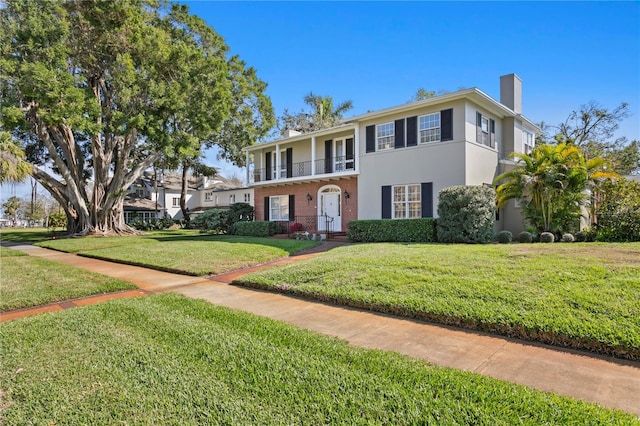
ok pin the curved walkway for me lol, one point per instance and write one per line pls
(606, 381)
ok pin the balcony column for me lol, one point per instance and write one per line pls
(277, 161)
(356, 147)
(313, 155)
(248, 157)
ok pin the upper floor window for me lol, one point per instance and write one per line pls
(208, 196)
(232, 198)
(176, 201)
(429, 128)
(528, 142)
(279, 207)
(407, 201)
(247, 197)
(485, 130)
(385, 136)
(140, 192)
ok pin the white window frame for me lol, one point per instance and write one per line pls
(528, 141)
(247, 197)
(385, 136)
(208, 196)
(401, 201)
(175, 202)
(485, 131)
(279, 208)
(232, 198)
(430, 132)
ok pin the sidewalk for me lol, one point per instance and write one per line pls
(606, 381)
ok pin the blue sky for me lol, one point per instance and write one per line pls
(378, 54)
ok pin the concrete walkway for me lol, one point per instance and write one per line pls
(606, 381)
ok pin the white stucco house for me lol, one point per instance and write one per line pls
(392, 163)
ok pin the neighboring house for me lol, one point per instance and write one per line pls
(148, 200)
(392, 163)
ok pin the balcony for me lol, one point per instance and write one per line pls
(303, 169)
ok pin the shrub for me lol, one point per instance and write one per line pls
(547, 237)
(251, 229)
(504, 237)
(466, 214)
(392, 230)
(212, 220)
(525, 237)
(619, 211)
(567, 238)
(57, 220)
(240, 212)
(152, 225)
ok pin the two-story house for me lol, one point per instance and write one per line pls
(392, 163)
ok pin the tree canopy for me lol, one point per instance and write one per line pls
(100, 90)
(323, 114)
(13, 167)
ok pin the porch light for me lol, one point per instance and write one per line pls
(309, 198)
(347, 195)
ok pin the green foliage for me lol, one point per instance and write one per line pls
(57, 220)
(216, 220)
(525, 237)
(166, 359)
(398, 230)
(152, 225)
(466, 214)
(618, 211)
(550, 184)
(239, 212)
(253, 229)
(504, 237)
(547, 237)
(574, 295)
(322, 116)
(11, 208)
(13, 167)
(568, 238)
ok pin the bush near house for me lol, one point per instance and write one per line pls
(466, 214)
(504, 237)
(255, 229)
(222, 220)
(387, 230)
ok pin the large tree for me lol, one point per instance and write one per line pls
(13, 167)
(324, 114)
(550, 184)
(104, 89)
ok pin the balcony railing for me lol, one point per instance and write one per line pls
(303, 168)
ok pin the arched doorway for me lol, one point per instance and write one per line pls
(329, 208)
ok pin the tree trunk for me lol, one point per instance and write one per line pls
(183, 191)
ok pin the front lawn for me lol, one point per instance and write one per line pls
(186, 254)
(580, 295)
(165, 359)
(29, 281)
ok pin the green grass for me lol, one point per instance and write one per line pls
(30, 235)
(29, 281)
(165, 359)
(187, 254)
(581, 295)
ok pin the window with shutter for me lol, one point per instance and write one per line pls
(370, 132)
(446, 125)
(399, 133)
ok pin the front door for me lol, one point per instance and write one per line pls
(329, 215)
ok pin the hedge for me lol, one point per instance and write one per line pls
(466, 214)
(393, 230)
(255, 229)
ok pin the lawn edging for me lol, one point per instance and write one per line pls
(518, 331)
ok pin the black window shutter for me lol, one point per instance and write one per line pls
(267, 166)
(386, 202)
(478, 127)
(349, 151)
(292, 208)
(399, 133)
(371, 138)
(267, 207)
(427, 199)
(328, 150)
(289, 162)
(492, 133)
(412, 131)
(446, 124)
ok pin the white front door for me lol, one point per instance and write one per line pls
(329, 218)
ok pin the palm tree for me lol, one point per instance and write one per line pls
(325, 114)
(551, 183)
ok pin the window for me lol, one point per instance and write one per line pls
(385, 136)
(232, 198)
(485, 131)
(208, 196)
(429, 128)
(140, 192)
(528, 142)
(407, 201)
(247, 198)
(176, 201)
(279, 207)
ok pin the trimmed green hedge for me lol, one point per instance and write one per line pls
(393, 230)
(255, 229)
(466, 214)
